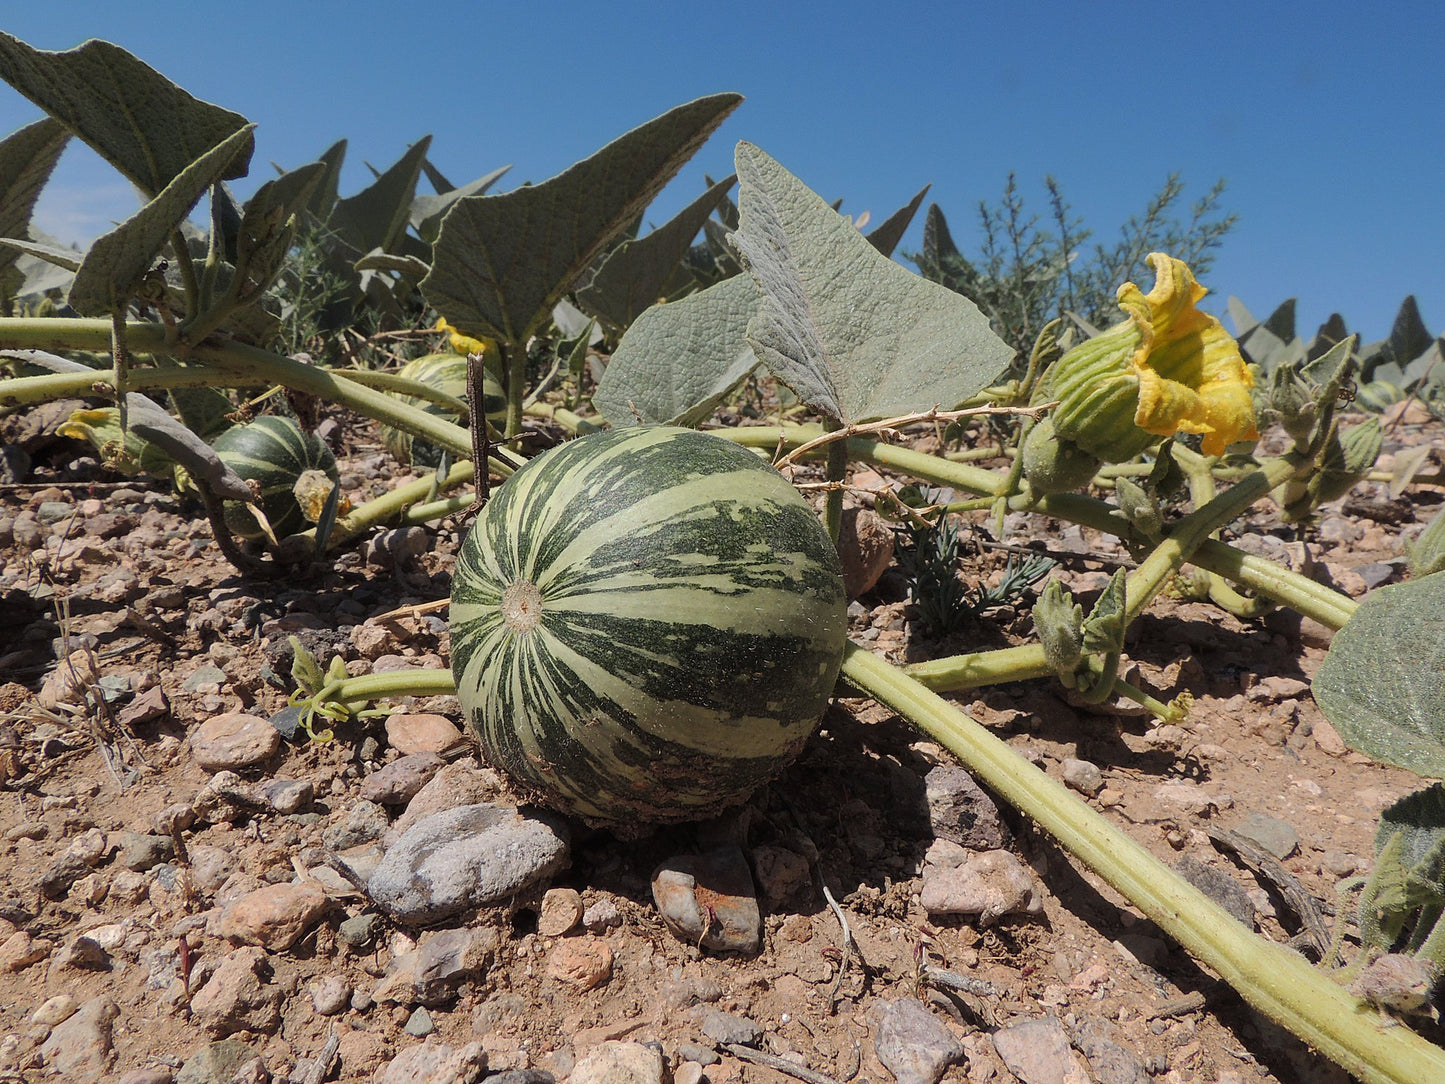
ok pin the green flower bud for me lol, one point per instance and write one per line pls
(1052, 465)
(1058, 621)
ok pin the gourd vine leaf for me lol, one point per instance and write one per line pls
(127, 112)
(679, 360)
(636, 273)
(268, 222)
(26, 159)
(1420, 818)
(377, 216)
(427, 211)
(66, 258)
(853, 334)
(1382, 684)
(324, 195)
(501, 262)
(886, 235)
(108, 274)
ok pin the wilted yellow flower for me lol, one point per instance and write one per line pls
(465, 344)
(1167, 369)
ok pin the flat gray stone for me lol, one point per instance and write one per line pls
(466, 857)
(988, 885)
(79, 1048)
(1110, 1060)
(728, 1027)
(1038, 1052)
(960, 810)
(913, 1044)
(1274, 835)
(215, 1063)
(1218, 886)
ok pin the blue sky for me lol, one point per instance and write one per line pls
(1327, 120)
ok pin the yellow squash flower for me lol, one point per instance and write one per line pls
(465, 344)
(1167, 369)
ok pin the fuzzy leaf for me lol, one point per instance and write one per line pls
(853, 334)
(110, 270)
(635, 274)
(501, 262)
(26, 159)
(1382, 684)
(323, 196)
(268, 227)
(679, 360)
(377, 216)
(427, 211)
(127, 112)
(1420, 816)
(890, 231)
(66, 258)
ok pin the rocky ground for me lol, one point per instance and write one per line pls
(191, 896)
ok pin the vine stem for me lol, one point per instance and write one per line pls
(1300, 593)
(1275, 980)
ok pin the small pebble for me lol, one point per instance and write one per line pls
(560, 912)
(410, 734)
(584, 963)
(1037, 1052)
(140, 851)
(726, 1027)
(399, 781)
(330, 995)
(619, 1063)
(1274, 835)
(420, 1023)
(1084, 776)
(234, 740)
(435, 1063)
(359, 932)
(274, 917)
(54, 1010)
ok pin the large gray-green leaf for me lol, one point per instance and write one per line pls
(268, 223)
(1382, 684)
(323, 196)
(26, 159)
(377, 215)
(427, 211)
(855, 335)
(501, 262)
(111, 269)
(126, 111)
(635, 274)
(67, 258)
(890, 231)
(1420, 815)
(679, 360)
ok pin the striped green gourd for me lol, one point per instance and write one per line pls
(646, 625)
(448, 373)
(272, 451)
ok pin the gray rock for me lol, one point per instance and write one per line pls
(203, 675)
(448, 958)
(458, 784)
(960, 810)
(288, 795)
(79, 1048)
(912, 1043)
(1275, 836)
(364, 823)
(83, 954)
(1084, 776)
(988, 885)
(1218, 886)
(52, 512)
(330, 995)
(619, 1063)
(399, 782)
(1110, 1060)
(1038, 1052)
(359, 932)
(419, 1023)
(436, 1063)
(703, 1055)
(464, 858)
(140, 851)
(727, 1027)
(215, 1063)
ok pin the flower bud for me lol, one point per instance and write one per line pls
(1169, 368)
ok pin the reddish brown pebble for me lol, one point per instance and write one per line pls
(584, 962)
(234, 740)
(409, 734)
